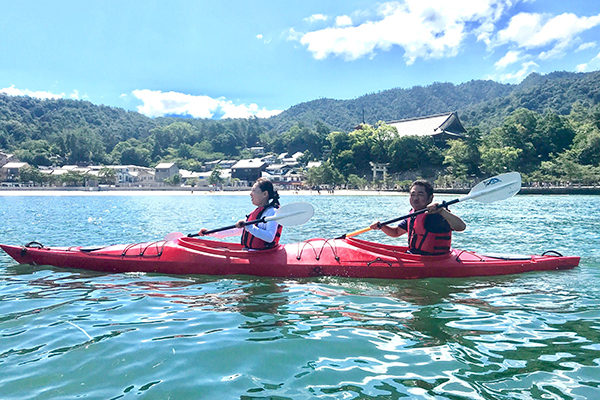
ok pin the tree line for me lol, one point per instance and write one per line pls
(545, 148)
(536, 130)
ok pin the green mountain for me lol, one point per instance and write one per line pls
(547, 127)
(478, 102)
(481, 103)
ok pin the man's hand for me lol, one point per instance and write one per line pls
(456, 224)
(434, 208)
(375, 225)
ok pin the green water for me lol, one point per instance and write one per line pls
(68, 334)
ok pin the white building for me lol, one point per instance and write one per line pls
(133, 174)
(165, 171)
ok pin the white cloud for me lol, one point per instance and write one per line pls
(592, 65)
(510, 58)
(516, 77)
(585, 46)
(343, 20)
(293, 35)
(424, 29)
(521, 28)
(316, 18)
(435, 29)
(264, 113)
(538, 31)
(261, 37)
(12, 91)
(158, 104)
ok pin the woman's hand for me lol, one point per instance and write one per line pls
(240, 223)
(201, 233)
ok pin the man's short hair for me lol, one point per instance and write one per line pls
(422, 182)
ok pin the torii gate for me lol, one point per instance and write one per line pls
(379, 167)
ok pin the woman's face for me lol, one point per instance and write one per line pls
(259, 198)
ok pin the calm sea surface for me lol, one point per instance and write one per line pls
(67, 334)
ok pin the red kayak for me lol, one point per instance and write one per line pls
(346, 257)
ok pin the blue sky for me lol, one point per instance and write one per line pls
(220, 59)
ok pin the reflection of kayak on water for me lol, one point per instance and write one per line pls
(347, 257)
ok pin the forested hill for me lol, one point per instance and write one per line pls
(479, 102)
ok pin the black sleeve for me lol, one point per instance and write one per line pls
(403, 224)
(435, 223)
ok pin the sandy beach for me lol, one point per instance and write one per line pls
(186, 192)
(12, 192)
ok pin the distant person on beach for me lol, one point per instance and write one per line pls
(263, 235)
(429, 233)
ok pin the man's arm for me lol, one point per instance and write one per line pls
(392, 231)
(455, 222)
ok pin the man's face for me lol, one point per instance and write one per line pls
(418, 197)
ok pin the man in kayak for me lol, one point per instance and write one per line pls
(263, 235)
(429, 233)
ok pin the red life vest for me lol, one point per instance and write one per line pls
(421, 241)
(252, 242)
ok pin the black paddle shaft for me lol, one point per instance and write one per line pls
(444, 204)
(256, 221)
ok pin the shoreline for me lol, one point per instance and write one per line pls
(186, 191)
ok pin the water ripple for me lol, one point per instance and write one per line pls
(67, 334)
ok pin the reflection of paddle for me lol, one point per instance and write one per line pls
(496, 188)
(287, 215)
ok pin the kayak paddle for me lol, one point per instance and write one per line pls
(496, 188)
(287, 215)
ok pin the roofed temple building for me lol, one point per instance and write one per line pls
(440, 127)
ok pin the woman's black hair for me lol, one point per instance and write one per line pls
(267, 186)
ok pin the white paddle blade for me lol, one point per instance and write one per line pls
(293, 214)
(496, 188)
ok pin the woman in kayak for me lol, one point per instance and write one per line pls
(429, 233)
(263, 235)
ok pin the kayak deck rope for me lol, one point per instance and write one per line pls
(379, 260)
(159, 246)
(326, 242)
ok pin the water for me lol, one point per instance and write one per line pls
(68, 334)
